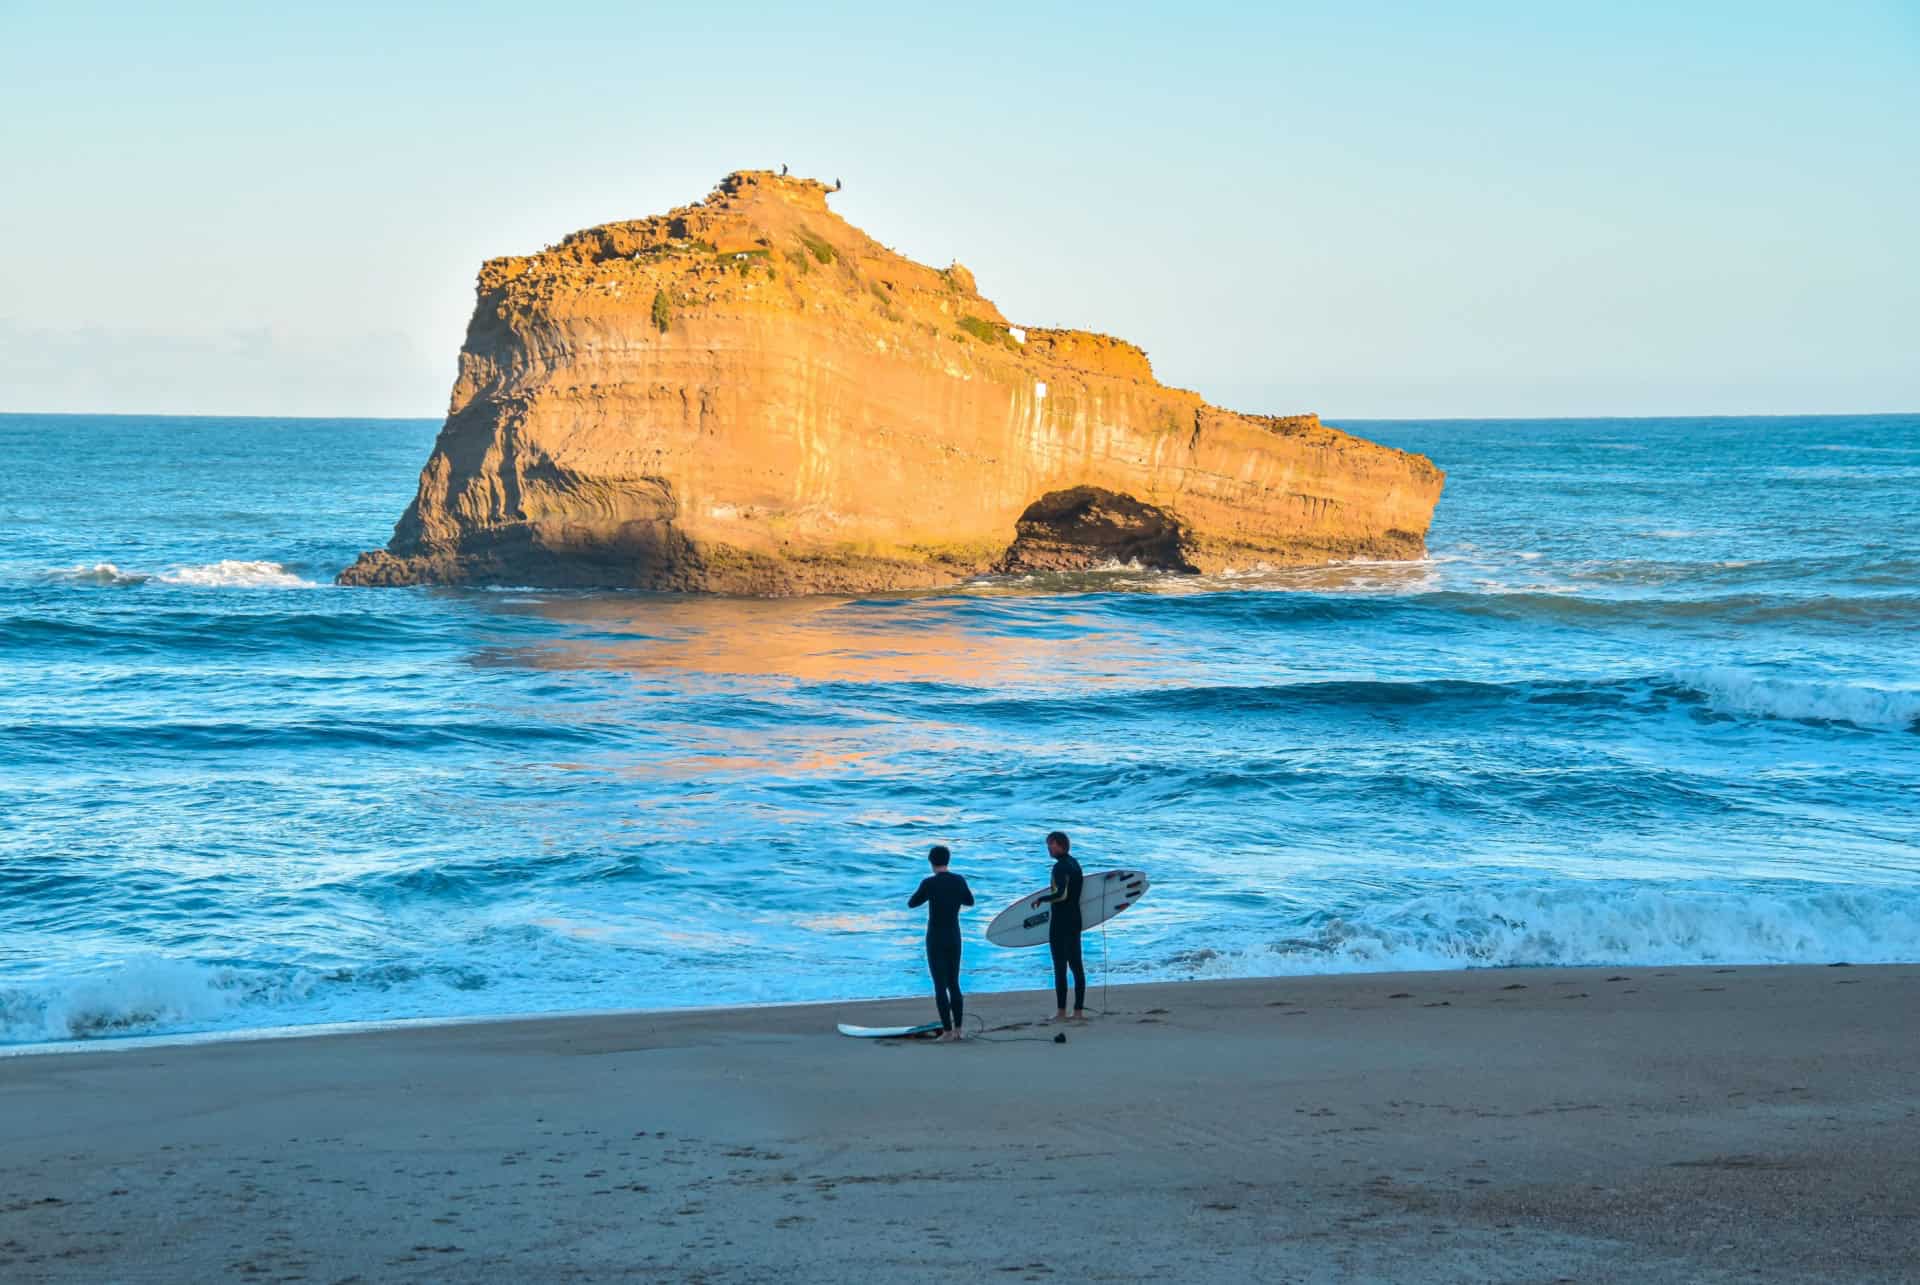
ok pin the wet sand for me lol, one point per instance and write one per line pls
(1683, 1124)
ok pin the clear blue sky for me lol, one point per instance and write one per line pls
(1361, 209)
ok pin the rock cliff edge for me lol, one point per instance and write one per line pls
(749, 395)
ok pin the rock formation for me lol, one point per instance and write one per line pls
(749, 395)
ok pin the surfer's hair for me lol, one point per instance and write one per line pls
(939, 855)
(1059, 839)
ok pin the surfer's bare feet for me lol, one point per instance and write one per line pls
(1079, 1015)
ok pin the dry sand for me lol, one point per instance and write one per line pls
(1638, 1124)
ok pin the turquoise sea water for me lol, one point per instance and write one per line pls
(1655, 698)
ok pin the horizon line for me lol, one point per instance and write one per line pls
(1331, 419)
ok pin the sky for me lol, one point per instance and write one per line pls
(1369, 210)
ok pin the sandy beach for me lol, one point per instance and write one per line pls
(1686, 1124)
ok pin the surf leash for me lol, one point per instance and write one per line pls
(982, 1035)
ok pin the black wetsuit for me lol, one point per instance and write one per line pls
(943, 893)
(1063, 933)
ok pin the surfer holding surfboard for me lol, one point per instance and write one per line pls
(1063, 928)
(943, 893)
(1057, 914)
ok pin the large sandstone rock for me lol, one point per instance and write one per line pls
(751, 396)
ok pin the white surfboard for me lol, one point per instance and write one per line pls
(887, 1032)
(1102, 896)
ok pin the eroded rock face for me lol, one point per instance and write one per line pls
(751, 396)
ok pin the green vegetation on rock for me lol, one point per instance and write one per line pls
(986, 331)
(662, 309)
(672, 249)
(817, 246)
(744, 260)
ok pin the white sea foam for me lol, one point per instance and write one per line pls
(1530, 586)
(138, 996)
(551, 967)
(1571, 925)
(100, 573)
(229, 573)
(1731, 690)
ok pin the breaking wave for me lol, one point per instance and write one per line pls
(140, 997)
(228, 573)
(99, 573)
(1497, 924)
(1743, 692)
(158, 995)
(1588, 925)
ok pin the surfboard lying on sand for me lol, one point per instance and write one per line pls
(1102, 896)
(887, 1032)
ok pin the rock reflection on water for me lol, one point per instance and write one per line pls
(804, 688)
(919, 639)
(1358, 576)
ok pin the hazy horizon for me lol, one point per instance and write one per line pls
(1372, 214)
(1329, 417)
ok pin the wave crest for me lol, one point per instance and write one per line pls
(1724, 690)
(140, 996)
(1625, 926)
(99, 573)
(228, 573)
(1741, 692)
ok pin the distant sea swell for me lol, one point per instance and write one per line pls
(1721, 689)
(1619, 718)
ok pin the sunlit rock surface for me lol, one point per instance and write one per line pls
(749, 395)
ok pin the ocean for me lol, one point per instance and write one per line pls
(1653, 699)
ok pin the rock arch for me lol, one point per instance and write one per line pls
(1084, 527)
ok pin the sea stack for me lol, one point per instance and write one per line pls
(751, 396)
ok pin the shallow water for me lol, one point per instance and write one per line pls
(1653, 699)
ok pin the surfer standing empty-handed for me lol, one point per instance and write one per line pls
(943, 893)
(1063, 928)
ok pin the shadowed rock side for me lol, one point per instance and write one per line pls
(1086, 526)
(751, 396)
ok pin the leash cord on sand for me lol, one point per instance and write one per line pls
(981, 1034)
